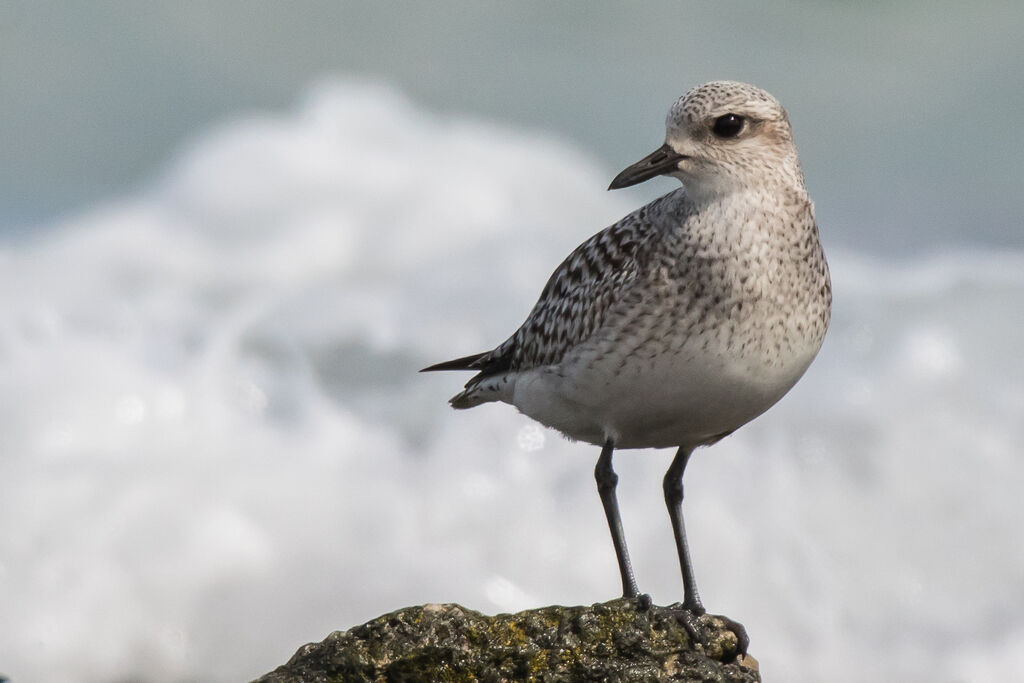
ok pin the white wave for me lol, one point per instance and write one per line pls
(215, 446)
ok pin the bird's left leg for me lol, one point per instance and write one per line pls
(607, 480)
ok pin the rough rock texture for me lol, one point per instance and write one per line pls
(621, 640)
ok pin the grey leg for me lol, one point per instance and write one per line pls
(692, 606)
(606, 483)
(673, 485)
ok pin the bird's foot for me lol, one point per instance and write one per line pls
(641, 601)
(717, 635)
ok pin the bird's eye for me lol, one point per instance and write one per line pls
(728, 125)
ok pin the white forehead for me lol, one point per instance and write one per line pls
(722, 97)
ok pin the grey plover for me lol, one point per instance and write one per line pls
(685, 320)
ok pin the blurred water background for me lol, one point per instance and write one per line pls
(231, 232)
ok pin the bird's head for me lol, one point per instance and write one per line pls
(722, 137)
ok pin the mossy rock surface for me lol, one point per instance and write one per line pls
(620, 640)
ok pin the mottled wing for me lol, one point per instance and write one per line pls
(574, 303)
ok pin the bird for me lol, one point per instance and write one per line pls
(684, 320)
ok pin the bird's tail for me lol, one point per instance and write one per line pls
(483, 390)
(479, 389)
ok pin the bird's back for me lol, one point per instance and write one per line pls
(576, 303)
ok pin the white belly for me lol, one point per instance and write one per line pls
(684, 398)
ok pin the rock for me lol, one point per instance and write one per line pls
(622, 640)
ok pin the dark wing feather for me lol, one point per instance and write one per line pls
(464, 363)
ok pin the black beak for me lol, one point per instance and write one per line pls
(659, 162)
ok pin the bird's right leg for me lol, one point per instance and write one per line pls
(606, 482)
(692, 608)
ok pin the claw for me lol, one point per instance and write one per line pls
(697, 622)
(742, 639)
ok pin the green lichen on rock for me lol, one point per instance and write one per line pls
(620, 640)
